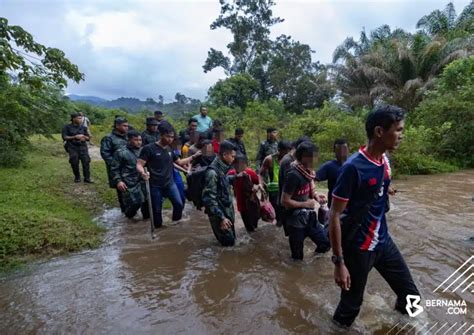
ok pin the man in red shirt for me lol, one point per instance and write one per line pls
(246, 183)
(217, 139)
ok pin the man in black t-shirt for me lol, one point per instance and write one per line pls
(299, 199)
(185, 135)
(159, 158)
(76, 137)
(237, 141)
(285, 165)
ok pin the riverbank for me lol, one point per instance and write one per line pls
(43, 213)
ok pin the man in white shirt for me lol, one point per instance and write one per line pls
(85, 121)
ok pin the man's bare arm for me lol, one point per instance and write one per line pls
(341, 274)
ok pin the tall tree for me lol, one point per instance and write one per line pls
(294, 78)
(249, 22)
(181, 98)
(443, 22)
(283, 68)
(160, 100)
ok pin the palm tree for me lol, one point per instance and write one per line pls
(398, 67)
(443, 22)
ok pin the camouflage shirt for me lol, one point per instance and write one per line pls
(148, 137)
(108, 146)
(266, 148)
(217, 196)
(124, 168)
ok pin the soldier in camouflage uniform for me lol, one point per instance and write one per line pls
(217, 196)
(151, 134)
(126, 178)
(109, 145)
(268, 147)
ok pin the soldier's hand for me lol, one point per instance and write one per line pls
(226, 224)
(121, 186)
(145, 176)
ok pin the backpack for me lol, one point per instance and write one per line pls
(196, 181)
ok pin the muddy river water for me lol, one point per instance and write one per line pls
(183, 282)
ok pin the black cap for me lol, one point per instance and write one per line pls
(158, 113)
(133, 133)
(151, 121)
(271, 129)
(119, 120)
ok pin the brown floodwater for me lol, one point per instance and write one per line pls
(184, 282)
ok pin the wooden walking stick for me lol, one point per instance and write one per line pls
(150, 207)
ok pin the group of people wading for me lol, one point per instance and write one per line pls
(217, 169)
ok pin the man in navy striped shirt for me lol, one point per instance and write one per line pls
(357, 222)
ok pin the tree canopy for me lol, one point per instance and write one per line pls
(283, 68)
(32, 77)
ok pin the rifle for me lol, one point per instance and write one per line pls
(150, 207)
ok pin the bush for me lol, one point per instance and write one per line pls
(448, 110)
(326, 124)
(414, 156)
(25, 111)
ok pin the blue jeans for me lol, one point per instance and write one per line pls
(178, 180)
(157, 196)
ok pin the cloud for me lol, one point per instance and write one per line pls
(146, 48)
(120, 30)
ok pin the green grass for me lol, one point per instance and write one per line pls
(42, 212)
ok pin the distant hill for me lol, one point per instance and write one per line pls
(86, 98)
(181, 106)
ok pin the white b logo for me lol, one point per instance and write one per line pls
(413, 305)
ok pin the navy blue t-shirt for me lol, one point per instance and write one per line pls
(361, 177)
(329, 171)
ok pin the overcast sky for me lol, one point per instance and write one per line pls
(146, 48)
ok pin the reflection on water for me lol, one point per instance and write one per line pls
(183, 282)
